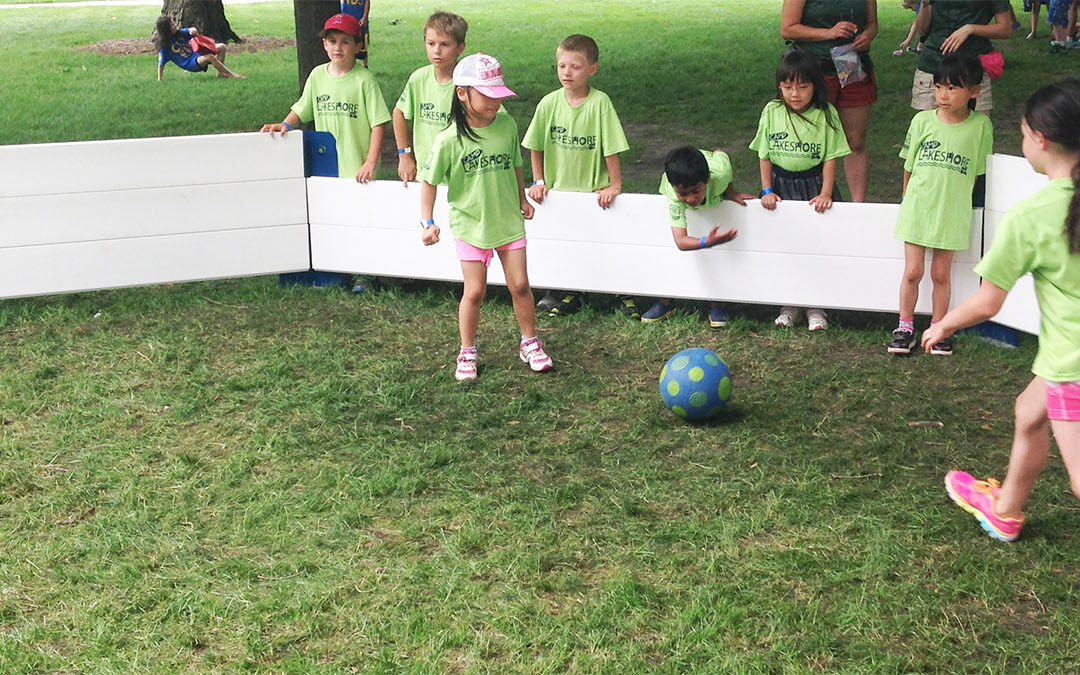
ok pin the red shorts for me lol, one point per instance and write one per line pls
(853, 95)
(1063, 401)
(466, 252)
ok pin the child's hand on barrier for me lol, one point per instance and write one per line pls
(537, 193)
(272, 128)
(770, 201)
(606, 197)
(716, 237)
(366, 172)
(406, 169)
(430, 235)
(738, 197)
(527, 209)
(821, 203)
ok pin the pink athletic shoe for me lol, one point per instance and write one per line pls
(977, 497)
(532, 353)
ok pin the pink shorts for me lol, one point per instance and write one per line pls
(1063, 401)
(466, 252)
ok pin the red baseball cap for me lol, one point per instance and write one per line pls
(346, 23)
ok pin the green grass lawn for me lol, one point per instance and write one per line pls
(229, 476)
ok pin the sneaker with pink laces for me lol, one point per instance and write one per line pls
(977, 497)
(466, 365)
(532, 353)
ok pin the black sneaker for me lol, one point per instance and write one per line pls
(569, 304)
(902, 340)
(628, 308)
(942, 348)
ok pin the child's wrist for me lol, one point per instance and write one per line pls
(767, 191)
(288, 127)
(703, 242)
(539, 181)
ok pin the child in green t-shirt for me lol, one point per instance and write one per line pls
(1032, 239)
(478, 158)
(426, 99)
(798, 141)
(574, 140)
(344, 100)
(944, 152)
(695, 179)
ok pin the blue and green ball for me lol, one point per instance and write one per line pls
(695, 384)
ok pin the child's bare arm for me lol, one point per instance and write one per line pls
(982, 305)
(367, 10)
(768, 197)
(367, 171)
(291, 121)
(823, 202)
(903, 189)
(687, 243)
(526, 207)
(606, 196)
(406, 163)
(427, 209)
(538, 190)
(160, 70)
(734, 195)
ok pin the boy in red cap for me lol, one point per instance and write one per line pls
(344, 100)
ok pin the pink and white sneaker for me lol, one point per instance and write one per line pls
(532, 353)
(466, 366)
(977, 497)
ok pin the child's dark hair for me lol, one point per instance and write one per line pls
(459, 119)
(686, 166)
(1054, 111)
(960, 70)
(164, 31)
(800, 66)
(582, 44)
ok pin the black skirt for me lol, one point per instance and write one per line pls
(801, 185)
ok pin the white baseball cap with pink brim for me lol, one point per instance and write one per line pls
(483, 73)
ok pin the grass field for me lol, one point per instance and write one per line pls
(229, 476)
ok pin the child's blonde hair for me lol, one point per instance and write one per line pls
(583, 44)
(451, 24)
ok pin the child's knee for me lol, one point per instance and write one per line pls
(473, 294)
(913, 273)
(941, 275)
(518, 286)
(1030, 412)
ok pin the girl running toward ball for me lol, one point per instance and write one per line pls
(478, 157)
(1040, 235)
(798, 141)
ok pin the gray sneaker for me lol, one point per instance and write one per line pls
(548, 301)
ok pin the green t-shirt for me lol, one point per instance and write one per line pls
(720, 176)
(948, 15)
(944, 160)
(1032, 239)
(826, 14)
(576, 140)
(799, 142)
(482, 185)
(348, 107)
(426, 104)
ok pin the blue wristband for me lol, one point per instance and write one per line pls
(766, 191)
(427, 223)
(288, 127)
(702, 242)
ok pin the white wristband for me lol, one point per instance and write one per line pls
(539, 181)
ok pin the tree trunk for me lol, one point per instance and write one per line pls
(206, 15)
(309, 17)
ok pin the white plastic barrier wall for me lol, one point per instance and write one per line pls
(81, 216)
(1010, 179)
(845, 258)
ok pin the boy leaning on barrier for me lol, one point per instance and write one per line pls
(343, 100)
(696, 179)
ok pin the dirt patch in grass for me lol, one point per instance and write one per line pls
(130, 46)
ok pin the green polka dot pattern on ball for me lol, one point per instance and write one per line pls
(680, 363)
(712, 360)
(663, 373)
(725, 388)
(673, 388)
(698, 399)
(678, 410)
(696, 374)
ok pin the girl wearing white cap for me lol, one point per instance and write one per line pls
(478, 157)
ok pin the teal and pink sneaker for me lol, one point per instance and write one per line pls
(977, 497)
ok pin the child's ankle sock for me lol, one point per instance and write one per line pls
(907, 323)
(468, 350)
